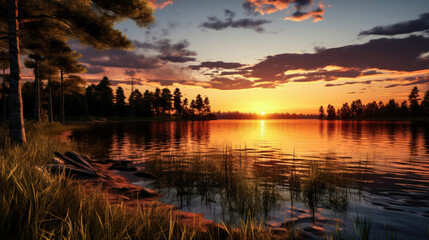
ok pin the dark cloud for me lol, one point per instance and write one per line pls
(247, 23)
(351, 83)
(166, 83)
(412, 81)
(164, 51)
(316, 14)
(388, 54)
(325, 75)
(417, 25)
(249, 9)
(117, 82)
(230, 84)
(218, 64)
(352, 61)
(243, 72)
(94, 69)
(177, 52)
(118, 58)
(402, 82)
(130, 72)
(371, 72)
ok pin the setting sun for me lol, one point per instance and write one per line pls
(262, 113)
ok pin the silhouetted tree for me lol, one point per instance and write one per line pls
(345, 112)
(147, 104)
(321, 113)
(199, 104)
(425, 104)
(207, 108)
(119, 102)
(66, 61)
(405, 111)
(166, 102)
(414, 102)
(136, 99)
(392, 108)
(34, 62)
(157, 102)
(104, 96)
(356, 109)
(185, 108)
(91, 23)
(330, 112)
(193, 107)
(178, 102)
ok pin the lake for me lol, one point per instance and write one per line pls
(319, 174)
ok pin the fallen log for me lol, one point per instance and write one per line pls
(73, 162)
(69, 170)
(78, 158)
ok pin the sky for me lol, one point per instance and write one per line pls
(274, 55)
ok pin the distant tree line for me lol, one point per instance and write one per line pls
(414, 108)
(101, 100)
(242, 115)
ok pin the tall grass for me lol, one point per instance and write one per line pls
(37, 205)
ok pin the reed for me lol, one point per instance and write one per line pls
(37, 205)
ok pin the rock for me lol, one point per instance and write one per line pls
(145, 175)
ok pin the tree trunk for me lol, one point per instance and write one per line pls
(37, 92)
(63, 119)
(40, 93)
(16, 115)
(3, 98)
(50, 112)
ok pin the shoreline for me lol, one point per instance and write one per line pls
(116, 189)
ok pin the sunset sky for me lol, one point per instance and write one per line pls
(274, 56)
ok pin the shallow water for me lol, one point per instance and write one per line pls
(317, 173)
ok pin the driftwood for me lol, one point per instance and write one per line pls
(74, 163)
(79, 158)
(57, 161)
(54, 168)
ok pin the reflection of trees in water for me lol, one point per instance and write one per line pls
(261, 182)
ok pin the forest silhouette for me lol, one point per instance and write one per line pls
(412, 109)
(100, 100)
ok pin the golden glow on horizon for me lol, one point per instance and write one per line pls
(262, 113)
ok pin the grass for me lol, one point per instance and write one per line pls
(37, 205)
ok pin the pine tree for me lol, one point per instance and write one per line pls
(178, 102)
(321, 113)
(331, 112)
(91, 22)
(119, 102)
(414, 102)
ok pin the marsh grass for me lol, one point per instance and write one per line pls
(37, 205)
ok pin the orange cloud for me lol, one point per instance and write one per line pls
(301, 6)
(269, 6)
(316, 14)
(159, 4)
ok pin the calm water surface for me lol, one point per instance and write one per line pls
(317, 173)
